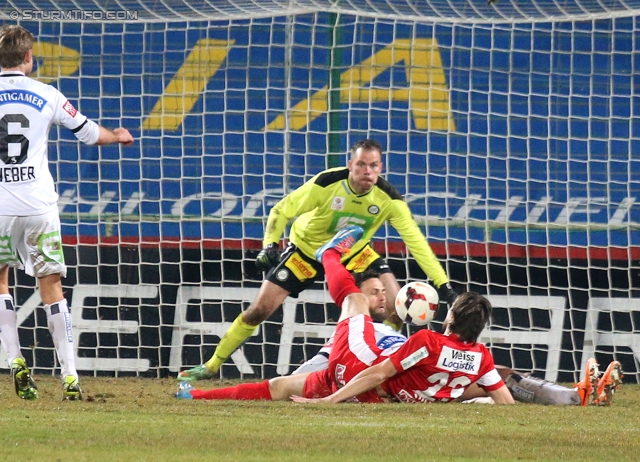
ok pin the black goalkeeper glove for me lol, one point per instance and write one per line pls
(447, 294)
(268, 257)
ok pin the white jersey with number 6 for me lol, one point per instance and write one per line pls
(28, 108)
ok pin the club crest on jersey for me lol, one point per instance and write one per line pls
(68, 107)
(459, 361)
(406, 396)
(338, 203)
(374, 209)
(340, 370)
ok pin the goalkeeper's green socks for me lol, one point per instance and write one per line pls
(235, 336)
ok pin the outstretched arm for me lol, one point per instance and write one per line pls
(119, 135)
(294, 204)
(402, 220)
(364, 381)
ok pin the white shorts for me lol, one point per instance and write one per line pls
(32, 243)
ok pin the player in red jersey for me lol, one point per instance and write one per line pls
(431, 366)
(428, 367)
(348, 357)
(355, 350)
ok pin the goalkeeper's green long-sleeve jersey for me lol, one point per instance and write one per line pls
(326, 203)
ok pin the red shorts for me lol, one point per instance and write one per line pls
(318, 384)
(354, 350)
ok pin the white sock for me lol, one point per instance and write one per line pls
(59, 322)
(9, 328)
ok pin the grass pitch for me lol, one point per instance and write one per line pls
(130, 419)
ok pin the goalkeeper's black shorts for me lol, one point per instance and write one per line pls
(297, 271)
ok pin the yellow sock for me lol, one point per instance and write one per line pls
(235, 336)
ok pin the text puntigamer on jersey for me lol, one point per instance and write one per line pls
(24, 97)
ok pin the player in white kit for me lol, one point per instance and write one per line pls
(29, 222)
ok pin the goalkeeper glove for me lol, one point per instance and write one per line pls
(268, 257)
(447, 294)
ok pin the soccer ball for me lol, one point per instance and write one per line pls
(417, 303)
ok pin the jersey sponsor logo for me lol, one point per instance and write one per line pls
(390, 340)
(17, 174)
(374, 209)
(362, 260)
(338, 203)
(300, 268)
(414, 358)
(68, 107)
(282, 275)
(67, 327)
(23, 97)
(459, 361)
(524, 395)
(344, 219)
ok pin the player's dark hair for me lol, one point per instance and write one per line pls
(15, 41)
(367, 145)
(367, 274)
(471, 311)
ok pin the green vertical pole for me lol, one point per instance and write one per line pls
(333, 137)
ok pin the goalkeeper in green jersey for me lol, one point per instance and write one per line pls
(330, 201)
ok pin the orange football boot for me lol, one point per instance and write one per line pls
(609, 383)
(586, 388)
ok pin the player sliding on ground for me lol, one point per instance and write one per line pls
(387, 338)
(447, 363)
(593, 389)
(331, 200)
(432, 367)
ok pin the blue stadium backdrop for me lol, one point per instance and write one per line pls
(560, 129)
(530, 146)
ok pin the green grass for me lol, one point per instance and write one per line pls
(128, 419)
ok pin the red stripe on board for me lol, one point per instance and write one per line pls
(391, 248)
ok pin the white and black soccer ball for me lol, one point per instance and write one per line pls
(417, 303)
